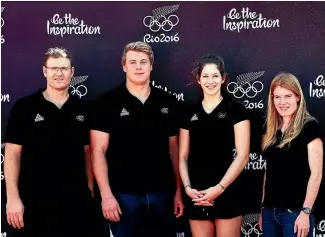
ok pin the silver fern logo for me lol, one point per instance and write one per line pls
(79, 90)
(247, 86)
(250, 225)
(161, 20)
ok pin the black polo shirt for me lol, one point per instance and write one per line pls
(53, 139)
(212, 141)
(138, 151)
(288, 171)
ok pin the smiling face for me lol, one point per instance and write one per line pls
(211, 80)
(137, 67)
(58, 73)
(285, 101)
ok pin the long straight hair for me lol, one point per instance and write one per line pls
(274, 121)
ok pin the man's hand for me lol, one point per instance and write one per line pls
(91, 188)
(302, 225)
(15, 213)
(178, 205)
(260, 222)
(111, 209)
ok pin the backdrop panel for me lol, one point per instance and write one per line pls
(256, 39)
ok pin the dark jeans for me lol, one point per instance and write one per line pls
(278, 222)
(145, 215)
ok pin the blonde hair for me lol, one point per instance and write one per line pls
(274, 120)
(139, 47)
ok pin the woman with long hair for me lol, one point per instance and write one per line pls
(210, 130)
(293, 150)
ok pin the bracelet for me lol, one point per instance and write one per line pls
(223, 187)
(187, 186)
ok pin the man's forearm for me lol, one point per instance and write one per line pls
(100, 169)
(88, 166)
(175, 163)
(11, 173)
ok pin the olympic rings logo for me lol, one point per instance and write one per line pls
(251, 230)
(239, 91)
(155, 24)
(77, 91)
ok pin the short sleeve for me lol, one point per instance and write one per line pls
(311, 131)
(16, 128)
(173, 118)
(238, 113)
(100, 118)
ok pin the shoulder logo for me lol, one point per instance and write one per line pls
(39, 118)
(194, 117)
(124, 112)
(164, 110)
(80, 118)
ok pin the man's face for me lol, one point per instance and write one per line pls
(137, 67)
(58, 73)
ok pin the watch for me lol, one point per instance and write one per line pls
(306, 210)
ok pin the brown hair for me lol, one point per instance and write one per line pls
(139, 47)
(57, 52)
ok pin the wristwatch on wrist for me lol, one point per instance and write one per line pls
(306, 210)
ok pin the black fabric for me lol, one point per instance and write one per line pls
(138, 152)
(52, 162)
(288, 171)
(211, 141)
(211, 152)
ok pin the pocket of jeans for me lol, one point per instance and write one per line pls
(293, 211)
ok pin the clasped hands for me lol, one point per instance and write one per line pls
(205, 197)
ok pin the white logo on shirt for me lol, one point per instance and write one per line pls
(124, 112)
(194, 118)
(39, 118)
(321, 226)
(80, 118)
(164, 110)
(222, 115)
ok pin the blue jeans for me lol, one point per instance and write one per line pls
(278, 222)
(145, 215)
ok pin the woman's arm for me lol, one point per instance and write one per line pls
(184, 143)
(315, 160)
(242, 143)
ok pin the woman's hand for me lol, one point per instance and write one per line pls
(208, 196)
